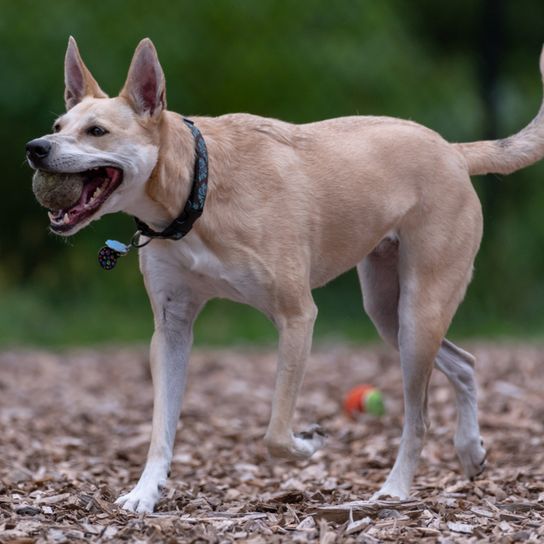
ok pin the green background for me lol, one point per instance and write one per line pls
(467, 69)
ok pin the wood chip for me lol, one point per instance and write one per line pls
(460, 527)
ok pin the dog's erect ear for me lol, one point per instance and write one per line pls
(145, 87)
(78, 81)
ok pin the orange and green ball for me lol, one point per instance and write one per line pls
(364, 398)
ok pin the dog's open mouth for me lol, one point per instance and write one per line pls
(98, 185)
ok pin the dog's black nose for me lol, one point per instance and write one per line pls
(38, 149)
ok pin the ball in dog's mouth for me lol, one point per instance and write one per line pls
(72, 198)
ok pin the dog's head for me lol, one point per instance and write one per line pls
(102, 150)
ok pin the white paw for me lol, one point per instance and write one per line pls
(390, 491)
(139, 500)
(300, 445)
(472, 456)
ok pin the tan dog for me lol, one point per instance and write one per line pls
(290, 207)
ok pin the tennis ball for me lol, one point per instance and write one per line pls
(364, 398)
(57, 191)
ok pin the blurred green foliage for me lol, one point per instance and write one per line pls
(296, 60)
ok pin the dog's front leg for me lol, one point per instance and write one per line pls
(295, 340)
(174, 316)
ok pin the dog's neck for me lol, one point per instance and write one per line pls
(170, 182)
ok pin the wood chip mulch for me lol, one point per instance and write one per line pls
(74, 431)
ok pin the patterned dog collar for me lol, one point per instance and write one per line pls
(195, 203)
(181, 226)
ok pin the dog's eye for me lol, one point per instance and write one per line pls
(96, 131)
(56, 127)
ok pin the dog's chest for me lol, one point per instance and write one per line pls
(198, 260)
(191, 261)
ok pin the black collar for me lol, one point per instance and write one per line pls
(180, 227)
(195, 203)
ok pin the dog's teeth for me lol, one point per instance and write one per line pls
(66, 218)
(95, 195)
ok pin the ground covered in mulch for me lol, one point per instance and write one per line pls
(74, 429)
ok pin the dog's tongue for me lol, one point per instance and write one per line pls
(112, 173)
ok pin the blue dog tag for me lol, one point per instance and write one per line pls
(118, 247)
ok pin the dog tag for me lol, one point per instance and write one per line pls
(107, 258)
(108, 255)
(118, 247)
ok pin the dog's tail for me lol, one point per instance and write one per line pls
(510, 154)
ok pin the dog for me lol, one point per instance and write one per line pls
(288, 208)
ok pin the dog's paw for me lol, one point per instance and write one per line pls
(472, 456)
(301, 445)
(310, 440)
(315, 433)
(390, 491)
(139, 500)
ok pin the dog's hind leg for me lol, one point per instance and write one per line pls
(378, 275)
(174, 310)
(295, 322)
(400, 319)
(426, 306)
(458, 366)
(433, 272)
